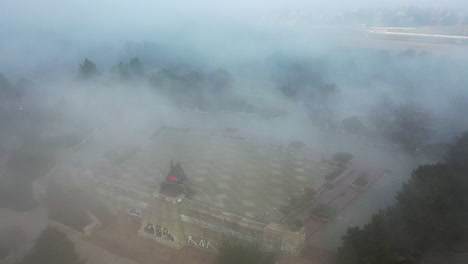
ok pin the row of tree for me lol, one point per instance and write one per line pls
(186, 87)
(194, 88)
(53, 247)
(404, 17)
(302, 82)
(408, 123)
(125, 71)
(430, 215)
(9, 90)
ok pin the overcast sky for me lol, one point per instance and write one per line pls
(139, 12)
(47, 29)
(114, 16)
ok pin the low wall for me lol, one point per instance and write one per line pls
(91, 228)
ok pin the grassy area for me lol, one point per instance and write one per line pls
(361, 181)
(65, 206)
(333, 175)
(342, 157)
(297, 202)
(64, 141)
(294, 224)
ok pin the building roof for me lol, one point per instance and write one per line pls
(231, 173)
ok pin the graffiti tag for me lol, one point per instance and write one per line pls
(158, 232)
(290, 249)
(135, 212)
(202, 243)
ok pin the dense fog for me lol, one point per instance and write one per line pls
(278, 71)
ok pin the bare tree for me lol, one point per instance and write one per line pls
(321, 102)
(457, 113)
(411, 125)
(12, 242)
(381, 115)
(52, 247)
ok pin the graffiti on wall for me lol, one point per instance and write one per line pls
(217, 228)
(290, 249)
(202, 243)
(158, 232)
(133, 215)
(135, 212)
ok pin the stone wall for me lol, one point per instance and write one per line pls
(293, 241)
(162, 223)
(177, 223)
(207, 227)
(272, 237)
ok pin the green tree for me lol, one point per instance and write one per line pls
(135, 67)
(5, 88)
(122, 70)
(411, 125)
(164, 80)
(236, 254)
(12, 239)
(353, 125)
(370, 245)
(381, 115)
(4, 83)
(342, 157)
(430, 215)
(87, 70)
(220, 81)
(457, 157)
(434, 208)
(52, 247)
(65, 207)
(433, 204)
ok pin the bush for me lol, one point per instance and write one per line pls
(64, 207)
(52, 247)
(334, 174)
(294, 224)
(342, 157)
(361, 181)
(235, 254)
(324, 211)
(297, 202)
(353, 125)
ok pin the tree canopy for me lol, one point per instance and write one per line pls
(87, 70)
(235, 254)
(136, 67)
(407, 124)
(370, 245)
(411, 125)
(4, 83)
(66, 207)
(52, 247)
(430, 215)
(194, 88)
(132, 70)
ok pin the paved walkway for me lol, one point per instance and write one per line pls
(92, 253)
(339, 196)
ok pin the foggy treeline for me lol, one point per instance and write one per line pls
(405, 98)
(408, 97)
(116, 74)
